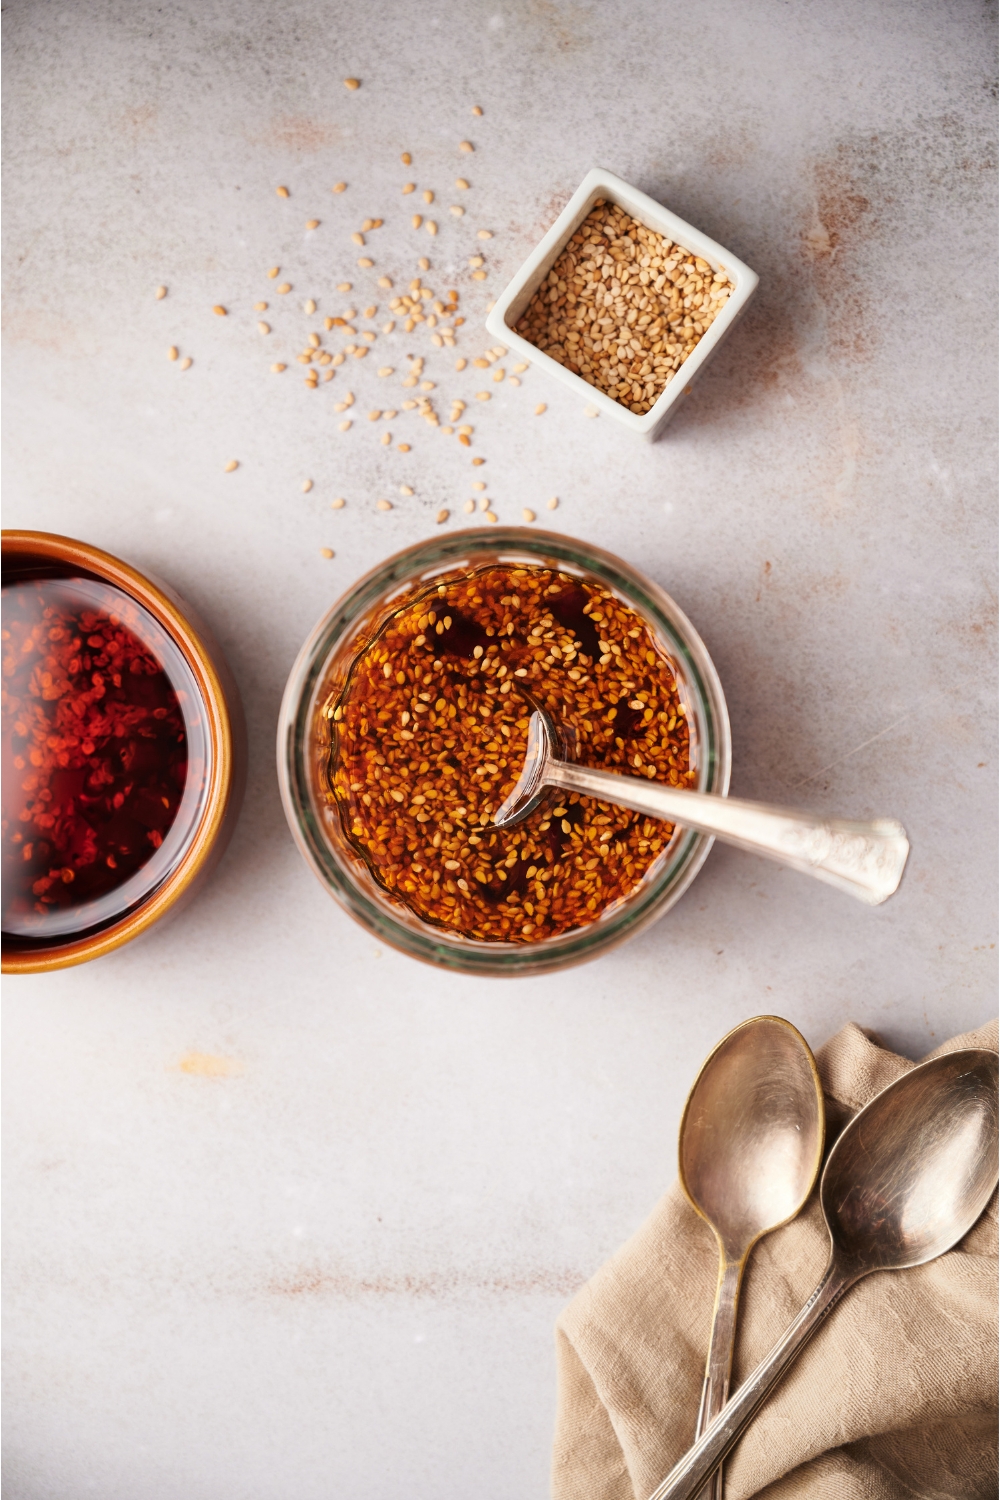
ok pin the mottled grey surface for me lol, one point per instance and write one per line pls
(335, 1272)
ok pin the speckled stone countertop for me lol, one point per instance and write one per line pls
(286, 1212)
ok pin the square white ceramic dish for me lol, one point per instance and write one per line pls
(512, 303)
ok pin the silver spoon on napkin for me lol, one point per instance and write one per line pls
(751, 1144)
(907, 1178)
(864, 859)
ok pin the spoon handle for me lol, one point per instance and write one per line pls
(718, 1368)
(864, 859)
(687, 1477)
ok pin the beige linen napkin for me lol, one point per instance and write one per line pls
(894, 1396)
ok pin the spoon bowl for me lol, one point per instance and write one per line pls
(910, 1166)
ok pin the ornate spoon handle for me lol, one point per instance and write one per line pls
(864, 859)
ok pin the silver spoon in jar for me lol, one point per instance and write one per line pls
(908, 1177)
(864, 859)
(751, 1143)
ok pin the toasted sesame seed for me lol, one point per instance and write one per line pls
(498, 375)
(365, 263)
(553, 504)
(479, 275)
(260, 307)
(476, 109)
(384, 504)
(520, 369)
(469, 507)
(431, 227)
(428, 196)
(460, 182)
(477, 484)
(423, 263)
(173, 352)
(282, 192)
(337, 504)
(326, 552)
(417, 220)
(513, 380)
(477, 462)
(358, 239)
(460, 364)
(484, 234)
(384, 281)
(527, 515)
(186, 362)
(406, 158)
(309, 306)
(484, 503)
(403, 447)
(307, 485)
(489, 516)
(408, 187)
(540, 408)
(373, 416)
(386, 370)
(160, 293)
(457, 210)
(263, 328)
(344, 426)
(273, 272)
(352, 83)
(220, 311)
(385, 439)
(343, 286)
(466, 146)
(441, 516)
(284, 288)
(277, 369)
(233, 463)
(338, 187)
(404, 489)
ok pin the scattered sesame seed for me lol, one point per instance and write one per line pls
(423, 263)
(309, 307)
(312, 223)
(469, 507)
(484, 504)
(388, 327)
(403, 447)
(338, 187)
(476, 109)
(231, 466)
(352, 83)
(384, 504)
(284, 288)
(337, 504)
(490, 516)
(460, 182)
(365, 263)
(307, 485)
(260, 307)
(431, 227)
(277, 369)
(553, 504)
(369, 312)
(344, 426)
(343, 286)
(326, 552)
(160, 293)
(484, 234)
(528, 515)
(441, 516)
(406, 158)
(477, 484)
(417, 220)
(460, 364)
(513, 380)
(358, 239)
(404, 489)
(477, 462)
(520, 369)
(186, 362)
(273, 272)
(408, 187)
(540, 408)
(386, 370)
(282, 192)
(384, 281)
(482, 395)
(385, 439)
(373, 416)
(219, 310)
(263, 328)
(466, 146)
(591, 411)
(172, 352)
(479, 275)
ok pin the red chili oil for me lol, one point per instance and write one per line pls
(105, 754)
